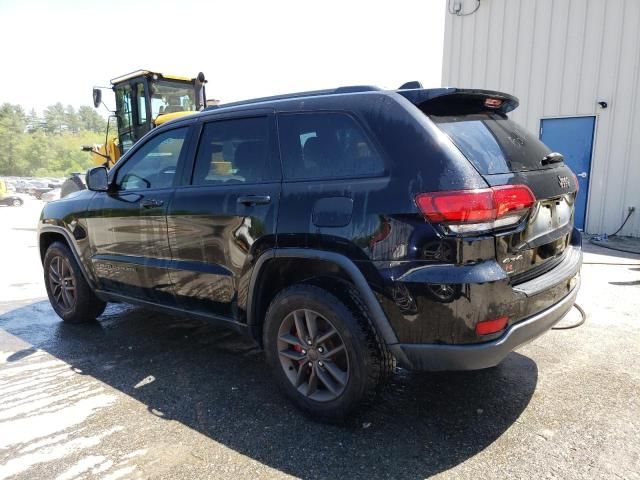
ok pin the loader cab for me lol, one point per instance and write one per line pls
(143, 98)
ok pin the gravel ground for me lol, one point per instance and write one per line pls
(144, 395)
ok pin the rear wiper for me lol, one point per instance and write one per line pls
(553, 157)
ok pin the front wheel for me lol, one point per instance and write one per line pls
(323, 351)
(69, 293)
(16, 202)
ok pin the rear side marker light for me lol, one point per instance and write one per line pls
(487, 327)
(464, 211)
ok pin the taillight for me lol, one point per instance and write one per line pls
(464, 211)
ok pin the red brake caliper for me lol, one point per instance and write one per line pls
(297, 348)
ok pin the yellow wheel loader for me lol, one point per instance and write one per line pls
(144, 100)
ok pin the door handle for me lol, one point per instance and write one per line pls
(151, 203)
(249, 200)
(582, 175)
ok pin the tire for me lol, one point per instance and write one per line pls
(364, 358)
(70, 185)
(16, 202)
(74, 302)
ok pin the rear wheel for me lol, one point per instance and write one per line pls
(16, 202)
(323, 351)
(69, 294)
(313, 355)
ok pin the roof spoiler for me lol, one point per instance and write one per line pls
(447, 101)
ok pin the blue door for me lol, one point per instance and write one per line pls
(573, 138)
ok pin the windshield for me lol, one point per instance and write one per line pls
(493, 143)
(171, 96)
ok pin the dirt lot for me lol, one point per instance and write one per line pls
(139, 395)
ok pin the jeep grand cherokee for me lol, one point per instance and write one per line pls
(344, 230)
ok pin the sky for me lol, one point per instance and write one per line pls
(57, 50)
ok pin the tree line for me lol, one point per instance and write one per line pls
(47, 144)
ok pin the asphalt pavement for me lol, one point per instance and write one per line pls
(139, 394)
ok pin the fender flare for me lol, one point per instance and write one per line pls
(380, 321)
(72, 246)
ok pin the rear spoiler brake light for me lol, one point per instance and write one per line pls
(447, 101)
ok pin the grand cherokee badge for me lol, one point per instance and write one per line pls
(563, 181)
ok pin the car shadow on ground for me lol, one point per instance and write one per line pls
(217, 383)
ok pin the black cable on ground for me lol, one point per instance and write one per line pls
(598, 244)
(618, 249)
(583, 314)
(623, 223)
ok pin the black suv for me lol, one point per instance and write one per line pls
(344, 230)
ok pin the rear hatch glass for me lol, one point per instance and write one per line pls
(493, 143)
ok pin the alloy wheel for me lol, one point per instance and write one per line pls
(313, 355)
(62, 283)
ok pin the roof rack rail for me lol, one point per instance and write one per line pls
(289, 96)
(356, 89)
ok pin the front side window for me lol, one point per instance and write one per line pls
(154, 164)
(326, 145)
(233, 151)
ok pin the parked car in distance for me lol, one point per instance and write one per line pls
(7, 196)
(345, 230)
(21, 186)
(36, 189)
(11, 201)
(51, 195)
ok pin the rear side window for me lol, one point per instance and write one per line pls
(325, 145)
(233, 151)
(493, 143)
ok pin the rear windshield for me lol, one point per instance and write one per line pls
(493, 143)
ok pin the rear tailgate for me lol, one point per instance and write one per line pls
(505, 153)
(539, 246)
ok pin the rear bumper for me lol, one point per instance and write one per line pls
(435, 357)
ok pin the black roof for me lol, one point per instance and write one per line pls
(417, 96)
(430, 100)
(291, 96)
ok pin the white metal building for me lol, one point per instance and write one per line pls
(561, 58)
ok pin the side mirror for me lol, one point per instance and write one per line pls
(97, 97)
(97, 179)
(201, 101)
